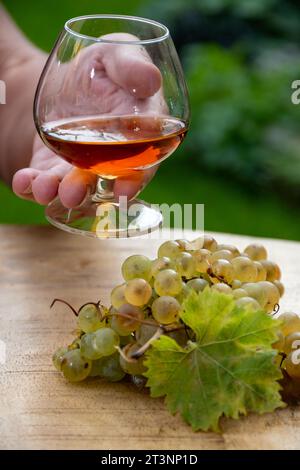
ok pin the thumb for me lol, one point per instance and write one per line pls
(130, 66)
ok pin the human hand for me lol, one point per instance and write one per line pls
(122, 81)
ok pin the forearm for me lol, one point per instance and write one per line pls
(20, 67)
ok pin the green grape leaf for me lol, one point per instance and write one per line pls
(229, 370)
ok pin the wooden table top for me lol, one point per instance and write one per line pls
(40, 410)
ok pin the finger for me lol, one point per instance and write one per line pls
(22, 182)
(134, 183)
(130, 66)
(45, 187)
(73, 188)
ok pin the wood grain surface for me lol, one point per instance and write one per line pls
(40, 410)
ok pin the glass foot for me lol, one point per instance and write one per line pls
(105, 219)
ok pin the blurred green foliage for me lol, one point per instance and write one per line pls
(241, 156)
(42, 21)
(226, 22)
(243, 122)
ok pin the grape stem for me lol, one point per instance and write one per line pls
(283, 356)
(276, 309)
(66, 303)
(126, 358)
(160, 331)
(211, 275)
(146, 345)
(137, 354)
(97, 305)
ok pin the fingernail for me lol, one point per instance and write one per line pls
(89, 192)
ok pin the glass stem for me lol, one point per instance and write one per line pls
(104, 190)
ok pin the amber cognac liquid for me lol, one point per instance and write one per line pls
(114, 146)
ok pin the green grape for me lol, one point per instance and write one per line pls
(292, 366)
(256, 252)
(108, 368)
(136, 266)
(257, 291)
(58, 357)
(117, 296)
(248, 302)
(221, 287)
(205, 241)
(75, 367)
(236, 284)
(227, 247)
(239, 293)
(185, 265)
(244, 269)
(261, 271)
(144, 333)
(184, 245)
(292, 342)
(223, 270)
(272, 295)
(101, 343)
(280, 287)
(89, 318)
(204, 252)
(273, 270)
(279, 344)
(138, 292)
(161, 263)
(166, 309)
(170, 249)
(221, 254)
(197, 284)
(132, 366)
(118, 328)
(124, 325)
(290, 323)
(183, 293)
(168, 282)
(209, 243)
(202, 260)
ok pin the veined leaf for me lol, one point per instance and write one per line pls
(229, 370)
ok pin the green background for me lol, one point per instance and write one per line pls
(197, 173)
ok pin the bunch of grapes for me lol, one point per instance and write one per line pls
(111, 342)
(288, 346)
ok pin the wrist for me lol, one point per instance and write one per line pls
(14, 47)
(21, 64)
(21, 75)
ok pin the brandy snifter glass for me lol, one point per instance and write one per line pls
(111, 100)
